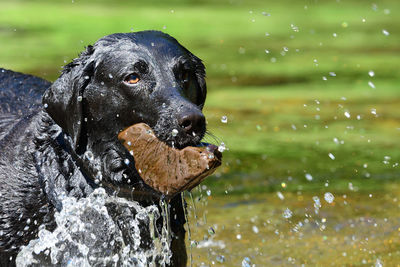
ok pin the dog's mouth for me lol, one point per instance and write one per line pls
(166, 169)
(177, 138)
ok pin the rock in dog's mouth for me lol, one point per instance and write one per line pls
(166, 169)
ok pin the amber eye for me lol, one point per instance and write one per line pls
(132, 79)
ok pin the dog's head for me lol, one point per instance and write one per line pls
(124, 79)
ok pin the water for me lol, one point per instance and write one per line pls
(101, 230)
(329, 197)
(188, 230)
(341, 234)
(224, 119)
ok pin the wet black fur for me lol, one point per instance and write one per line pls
(43, 146)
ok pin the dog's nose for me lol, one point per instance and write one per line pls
(192, 123)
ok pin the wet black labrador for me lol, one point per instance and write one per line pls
(67, 143)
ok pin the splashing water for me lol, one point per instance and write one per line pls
(100, 230)
(329, 197)
(224, 119)
(371, 84)
(385, 32)
(317, 204)
(287, 213)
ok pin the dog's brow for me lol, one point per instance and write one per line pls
(141, 65)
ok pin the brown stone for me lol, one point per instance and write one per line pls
(166, 169)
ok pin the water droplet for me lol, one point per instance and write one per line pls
(287, 213)
(89, 155)
(329, 197)
(317, 204)
(222, 147)
(280, 195)
(331, 156)
(220, 258)
(266, 51)
(246, 262)
(224, 119)
(126, 161)
(378, 263)
(371, 84)
(294, 28)
(385, 32)
(174, 132)
(45, 105)
(238, 236)
(255, 229)
(351, 188)
(371, 73)
(347, 114)
(79, 98)
(308, 177)
(86, 77)
(110, 75)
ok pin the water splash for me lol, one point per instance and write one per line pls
(188, 230)
(100, 230)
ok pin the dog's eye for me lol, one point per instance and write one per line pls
(132, 78)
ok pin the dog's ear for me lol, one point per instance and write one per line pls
(63, 100)
(200, 73)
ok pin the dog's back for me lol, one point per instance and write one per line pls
(20, 94)
(20, 97)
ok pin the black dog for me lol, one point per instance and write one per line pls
(68, 145)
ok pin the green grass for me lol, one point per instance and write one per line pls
(283, 117)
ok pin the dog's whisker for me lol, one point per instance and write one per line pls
(209, 135)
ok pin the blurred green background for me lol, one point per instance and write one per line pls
(311, 94)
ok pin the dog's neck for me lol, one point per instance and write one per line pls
(98, 166)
